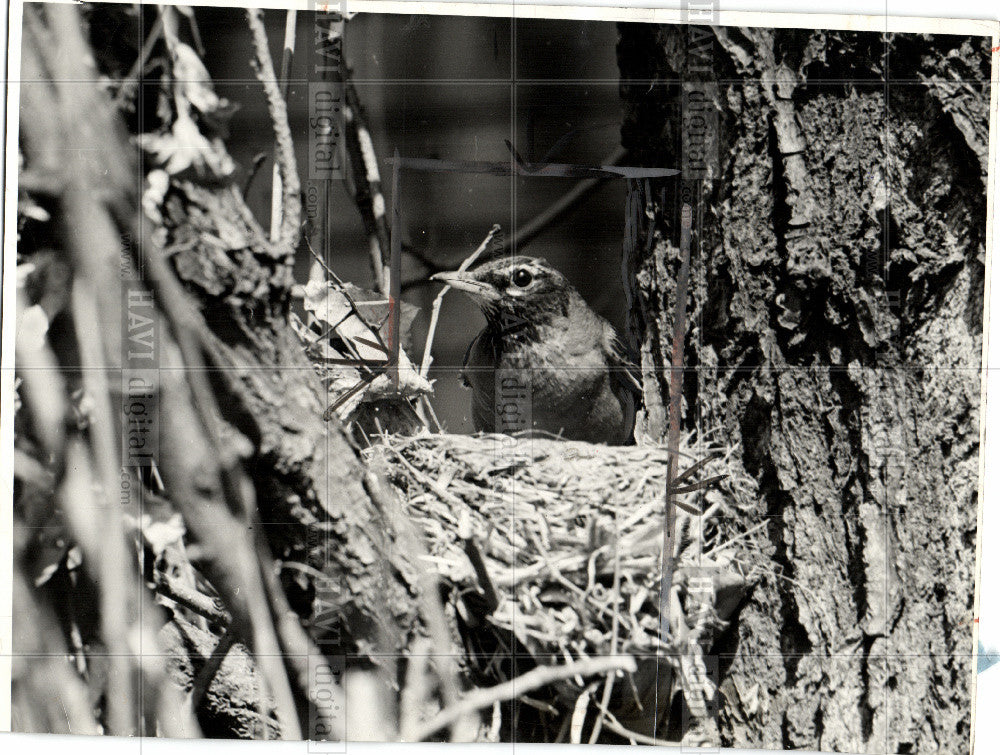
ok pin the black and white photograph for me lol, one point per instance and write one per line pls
(495, 374)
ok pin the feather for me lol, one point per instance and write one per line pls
(623, 368)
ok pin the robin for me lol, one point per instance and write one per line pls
(542, 340)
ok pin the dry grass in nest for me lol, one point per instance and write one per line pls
(569, 534)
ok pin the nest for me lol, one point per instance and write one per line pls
(552, 550)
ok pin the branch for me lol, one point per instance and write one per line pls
(367, 185)
(674, 429)
(195, 601)
(276, 182)
(291, 207)
(537, 677)
(425, 364)
(541, 222)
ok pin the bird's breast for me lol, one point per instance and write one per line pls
(559, 384)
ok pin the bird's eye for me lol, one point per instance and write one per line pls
(521, 278)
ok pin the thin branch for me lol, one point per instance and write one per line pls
(286, 63)
(298, 648)
(203, 679)
(395, 272)
(197, 602)
(87, 231)
(134, 77)
(541, 222)
(416, 691)
(475, 557)
(291, 207)
(510, 690)
(425, 364)
(615, 625)
(114, 572)
(668, 563)
(741, 536)
(634, 737)
(367, 184)
(256, 163)
(426, 403)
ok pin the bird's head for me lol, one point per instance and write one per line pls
(521, 288)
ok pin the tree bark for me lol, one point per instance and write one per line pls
(278, 500)
(835, 336)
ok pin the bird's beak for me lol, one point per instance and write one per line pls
(466, 281)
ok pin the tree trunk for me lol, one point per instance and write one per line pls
(835, 324)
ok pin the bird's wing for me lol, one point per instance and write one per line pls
(624, 370)
(481, 353)
(465, 361)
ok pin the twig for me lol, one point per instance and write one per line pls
(51, 141)
(700, 485)
(201, 604)
(674, 430)
(134, 76)
(425, 364)
(633, 736)
(298, 648)
(426, 402)
(496, 723)
(377, 343)
(696, 467)
(286, 63)
(203, 679)
(739, 537)
(256, 163)
(291, 208)
(195, 34)
(367, 184)
(113, 568)
(395, 269)
(478, 564)
(510, 690)
(579, 716)
(540, 223)
(416, 690)
(616, 598)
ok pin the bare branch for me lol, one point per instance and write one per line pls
(291, 210)
(537, 677)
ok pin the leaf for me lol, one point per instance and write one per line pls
(27, 207)
(152, 198)
(192, 79)
(342, 329)
(162, 535)
(193, 85)
(32, 327)
(375, 309)
(329, 306)
(184, 146)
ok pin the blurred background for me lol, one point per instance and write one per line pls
(454, 88)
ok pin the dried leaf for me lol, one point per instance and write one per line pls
(32, 327)
(186, 147)
(161, 535)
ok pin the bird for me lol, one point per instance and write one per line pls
(543, 342)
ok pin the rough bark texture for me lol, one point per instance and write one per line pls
(835, 335)
(235, 703)
(308, 478)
